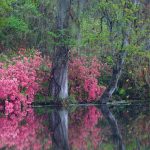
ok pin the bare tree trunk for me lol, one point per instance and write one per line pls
(117, 71)
(59, 73)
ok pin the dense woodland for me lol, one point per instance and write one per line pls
(78, 50)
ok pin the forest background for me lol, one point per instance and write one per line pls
(98, 31)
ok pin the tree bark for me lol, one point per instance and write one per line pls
(59, 74)
(58, 86)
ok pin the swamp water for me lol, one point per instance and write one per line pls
(112, 127)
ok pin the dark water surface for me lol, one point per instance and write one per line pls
(77, 128)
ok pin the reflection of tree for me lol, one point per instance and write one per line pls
(114, 127)
(58, 124)
(139, 133)
(82, 129)
(22, 131)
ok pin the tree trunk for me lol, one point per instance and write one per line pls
(59, 73)
(117, 71)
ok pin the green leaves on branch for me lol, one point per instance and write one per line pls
(61, 37)
(16, 24)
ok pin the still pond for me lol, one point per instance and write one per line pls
(112, 127)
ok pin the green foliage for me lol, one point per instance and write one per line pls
(109, 59)
(61, 37)
(107, 146)
(3, 58)
(26, 23)
(44, 68)
(122, 91)
(5, 6)
(39, 97)
(72, 99)
(42, 110)
(17, 24)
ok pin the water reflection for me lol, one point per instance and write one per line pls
(117, 137)
(58, 123)
(86, 130)
(84, 134)
(83, 131)
(23, 130)
(80, 128)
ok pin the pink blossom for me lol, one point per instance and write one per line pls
(83, 78)
(19, 81)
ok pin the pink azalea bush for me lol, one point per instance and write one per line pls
(83, 77)
(19, 81)
(23, 76)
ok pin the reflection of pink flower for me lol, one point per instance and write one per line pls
(23, 131)
(83, 130)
